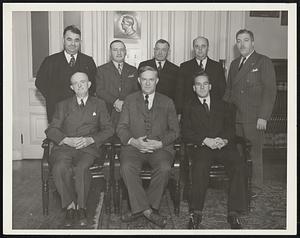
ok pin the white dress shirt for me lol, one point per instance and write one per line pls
(247, 57)
(150, 99)
(162, 63)
(207, 100)
(68, 56)
(84, 100)
(204, 61)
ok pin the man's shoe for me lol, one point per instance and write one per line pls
(82, 220)
(70, 216)
(157, 219)
(128, 217)
(234, 221)
(194, 221)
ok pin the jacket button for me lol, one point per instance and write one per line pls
(242, 91)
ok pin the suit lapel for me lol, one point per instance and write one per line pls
(248, 65)
(199, 110)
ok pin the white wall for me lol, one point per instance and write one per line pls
(270, 36)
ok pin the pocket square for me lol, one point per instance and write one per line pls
(254, 70)
(94, 113)
(131, 76)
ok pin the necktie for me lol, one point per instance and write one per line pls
(205, 106)
(119, 69)
(201, 66)
(147, 101)
(243, 61)
(159, 66)
(72, 61)
(81, 105)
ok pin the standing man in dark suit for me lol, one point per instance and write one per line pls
(115, 80)
(167, 71)
(79, 127)
(53, 77)
(251, 87)
(201, 62)
(208, 123)
(147, 128)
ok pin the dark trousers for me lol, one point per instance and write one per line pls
(256, 138)
(71, 174)
(131, 164)
(202, 159)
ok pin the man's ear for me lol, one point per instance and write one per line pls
(157, 79)
(89, 84)
(71, 86)
(209, 87)
(139, 80)
(194, 88)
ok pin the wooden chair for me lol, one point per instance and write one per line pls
(98, 170)
(145, 174)
(217, 170)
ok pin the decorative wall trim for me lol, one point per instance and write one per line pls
(56, 25)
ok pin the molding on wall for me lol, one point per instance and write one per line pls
(56, 26)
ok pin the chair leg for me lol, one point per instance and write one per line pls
(107, 197)
(177, 198)
(249, 183)
(45, 195)
(117, 195)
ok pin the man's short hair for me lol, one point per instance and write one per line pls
(129, 20)
(79, 71)
(200, 73)
(74, 29)
(199, 38)
(162, 41)
(147, 68)
(242, 31)
(117, 41)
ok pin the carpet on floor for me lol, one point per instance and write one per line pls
(268, 212)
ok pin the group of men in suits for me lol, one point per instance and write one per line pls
(142, 108)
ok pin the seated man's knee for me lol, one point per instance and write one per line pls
(61, 167)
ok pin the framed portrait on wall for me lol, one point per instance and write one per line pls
(127, 24)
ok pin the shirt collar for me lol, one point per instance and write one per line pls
(207, 100)
(116, 64)
(204, 61)
(68, 56)
(162, 63)
(84, 99)
(151, 96)
(247, 57)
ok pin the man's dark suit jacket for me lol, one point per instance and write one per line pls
(252, 89)
(70, 120)
(187, 69)
(167, 77)
(110, 85)
(160, 123)
(53, 78)
(197, 124)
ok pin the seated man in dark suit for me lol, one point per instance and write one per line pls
(147, 128)
(167, 71)
(208, 123)
(79, 127)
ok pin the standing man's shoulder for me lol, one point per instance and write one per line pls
(55, 56)
(163, 98)
(84, 56)
(130, 67)
(97, 101)
(213, 62)
(105, 66)
(150, 62)
(187, 63)
(172, 66)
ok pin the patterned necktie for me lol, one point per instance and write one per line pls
(205, 106)
(159, 66)
(81, 105)
(201, 66)
(72, 61)
(119, 69)
(147, 101)
(242, 63)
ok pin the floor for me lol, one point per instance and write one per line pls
(27, 202)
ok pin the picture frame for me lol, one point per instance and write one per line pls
(273, 14)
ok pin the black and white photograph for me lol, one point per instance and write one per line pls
(161, 118)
